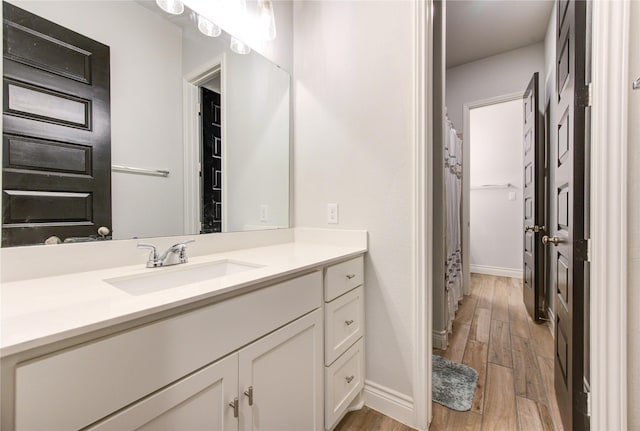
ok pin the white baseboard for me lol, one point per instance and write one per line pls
(389, 402)
(496, 270)
(440, 339)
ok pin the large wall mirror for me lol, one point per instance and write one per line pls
(122, 121)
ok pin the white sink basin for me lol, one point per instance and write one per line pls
(158, 279)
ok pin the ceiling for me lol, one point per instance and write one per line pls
(481, 28)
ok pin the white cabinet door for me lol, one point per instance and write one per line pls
(195, 403)
(283, 374)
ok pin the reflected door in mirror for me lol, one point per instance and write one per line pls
(211, 118)
(56, 132)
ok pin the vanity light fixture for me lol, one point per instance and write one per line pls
(241, 20)
(174, 7)
(255, 26)
(267, 20)
(208, 28)
(239, 47)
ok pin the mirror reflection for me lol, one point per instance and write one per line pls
(123, 121)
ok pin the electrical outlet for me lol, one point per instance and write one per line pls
(264, 213)
(332, 213)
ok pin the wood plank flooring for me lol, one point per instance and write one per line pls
(493, 334)
(513, 357)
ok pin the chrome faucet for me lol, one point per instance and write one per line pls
(174, 255)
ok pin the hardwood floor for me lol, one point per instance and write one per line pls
(493, 334)
(369, 420)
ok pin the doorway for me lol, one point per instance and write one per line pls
(495, 187)
(474, 76)
(211, 156)
(204, 149)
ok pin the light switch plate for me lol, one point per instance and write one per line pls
(264, 213)
(332, 213)
(512, 196)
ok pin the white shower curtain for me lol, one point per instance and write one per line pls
(453, 193)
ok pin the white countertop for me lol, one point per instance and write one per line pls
(40, 311)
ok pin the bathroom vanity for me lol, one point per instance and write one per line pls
(271, 341)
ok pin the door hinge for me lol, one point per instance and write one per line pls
(583, 402)
(590, 94)
(582, 249)
(199, 108)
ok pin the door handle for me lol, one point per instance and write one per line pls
(546, 240)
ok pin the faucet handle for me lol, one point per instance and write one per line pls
(181, 247)
(153, 254)
(184, 243)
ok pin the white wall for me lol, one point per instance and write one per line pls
(494, 76)
(496, 158)
(146, 107)
(550, 47)
(353, 72)
(633, 229)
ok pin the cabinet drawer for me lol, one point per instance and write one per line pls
(76, 387)
(343, 277)
(344, 379)
(344, 323)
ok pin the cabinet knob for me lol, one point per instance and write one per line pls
(350, 276)
(249, 394)
(348, 322)
(349, 379)
(234, 405)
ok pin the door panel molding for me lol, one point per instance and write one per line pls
(608, 305)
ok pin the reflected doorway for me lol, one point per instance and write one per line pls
(211, 178)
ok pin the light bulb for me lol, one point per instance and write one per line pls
(239, 47)
(208, 28)
(267, 20)
(174, 7)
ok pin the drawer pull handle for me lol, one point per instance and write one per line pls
(249, 394)
(349, 379)
(350, 276)
(348, 322)
(234, 405)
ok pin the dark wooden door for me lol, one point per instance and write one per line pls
(533, 197)
(211, 161)
(56, 137)
(566, 237)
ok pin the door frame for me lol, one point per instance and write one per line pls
(191, 137)
(608, 316)
(608, 251)
(466, 181)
